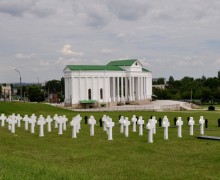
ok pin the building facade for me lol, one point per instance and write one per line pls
(119, 81)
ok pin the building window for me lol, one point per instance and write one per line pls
(101, 93)
(89, 94)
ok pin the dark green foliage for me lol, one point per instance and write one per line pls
(35, 94)
(204, 89)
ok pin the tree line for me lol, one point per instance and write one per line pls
(188, 88)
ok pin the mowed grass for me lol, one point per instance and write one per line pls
(27, 156)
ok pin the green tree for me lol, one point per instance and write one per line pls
(35, 94)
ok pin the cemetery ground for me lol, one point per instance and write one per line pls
(27, 156)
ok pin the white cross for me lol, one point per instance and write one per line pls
(3, 118)
(92, 122)
(12, 121)
(26, 120)
(121, 122)
(201, 122)
(179, 124)
(32, 121)
(140, 122)
(150, 127)
(126, 125)
(74, 123)
(64, 122)
(109, 126)
(59, 121)
(41, 122)
(191, 124)
(48, 121)
(79, 124)
(104, 120)
(18, 117)
(165, 125)
(79, 119)
(55, 118)
(134, 120)
(154, 122)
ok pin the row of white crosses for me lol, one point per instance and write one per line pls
(60, 123)
(13, 119)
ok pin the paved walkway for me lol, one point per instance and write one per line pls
(159, 105)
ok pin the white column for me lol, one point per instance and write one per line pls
(130, 97)
(118, 98)
(92, 89)
(146, 88)
(86, 90)
(142, 88)
(98, 98)
(126, 88)
(122, 89)
(139, 88)
(132, 87)
(113, 88)
(79, 90)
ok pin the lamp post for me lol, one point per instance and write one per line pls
(20, 79)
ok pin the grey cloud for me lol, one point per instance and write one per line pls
(15, 8)
(128, 10)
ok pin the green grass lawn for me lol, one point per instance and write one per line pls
(26, 156)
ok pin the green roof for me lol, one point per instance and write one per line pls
(94, 67)
(127, 62)
(87, 101)
(143, 69)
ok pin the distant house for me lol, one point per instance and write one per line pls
(119, 81)
(6, 92)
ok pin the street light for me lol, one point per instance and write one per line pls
(20, 79)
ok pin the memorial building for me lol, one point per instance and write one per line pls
(118, 82)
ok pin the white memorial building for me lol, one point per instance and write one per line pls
(118, 82)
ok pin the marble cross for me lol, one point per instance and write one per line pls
(3, 118)
(126, 125)
(65, 119)
(18, 117)
(134, 120)
(140, 122)
(32, 121)
(26, 121)
(55, 118)
(12, 121)
(74, 123)
(154, 122)
(121, 122)
(104, 120)
(79, 124)
(179, 124)
(191, 124)
(59, 121)
(165, 125)
(48, 121)
(41, 122)
(150, 127)
(109, 126)
(201, 123)
(92, 122)
(79, 119)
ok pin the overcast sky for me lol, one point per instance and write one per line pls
(170, 37)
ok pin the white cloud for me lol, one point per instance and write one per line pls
(24, 56)
(44, 63)
(106, 51)
(68, 50)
